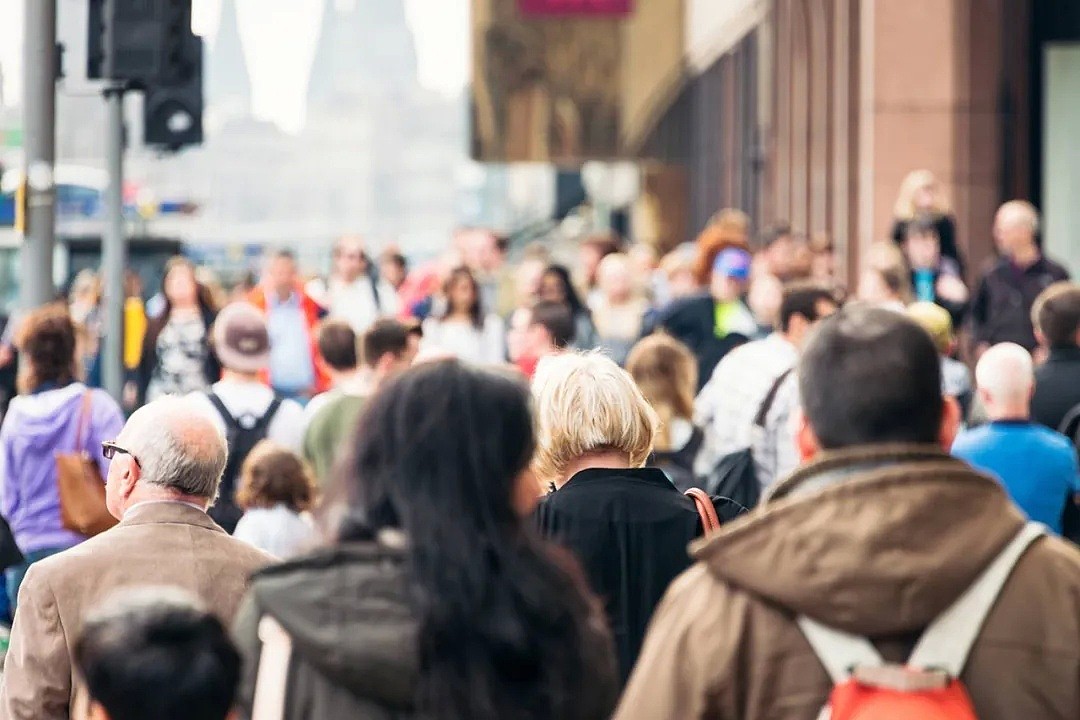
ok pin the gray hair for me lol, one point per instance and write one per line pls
(177, 446)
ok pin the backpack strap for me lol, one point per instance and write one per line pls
(271, 679)
(837, 651)
(770, 397)
(705, 508)
(267, 416)
(948, 640)
(226, 416)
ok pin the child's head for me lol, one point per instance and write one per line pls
(937, 322)
(153, 654)
(271, 476)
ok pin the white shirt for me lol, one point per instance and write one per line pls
(277, 530)
(355, 302)
(253, 398)
(481, 346)
(726, 406)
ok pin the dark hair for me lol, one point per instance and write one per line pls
(502, 243)
(577, 307)
(396, 258)
(385, 336)
(439, 453)
(283, 254)
(1056, 314)
(802, 298)
(161, 658)
(775, 232)
(922, 224)
(557, 320)
(273, 475)
(337, 344)
(476, 311)
(47, 340)
(870, 375)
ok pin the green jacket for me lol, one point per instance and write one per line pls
(329, 432)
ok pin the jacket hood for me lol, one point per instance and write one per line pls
(876, 541)
(46, 415)
(346, 611)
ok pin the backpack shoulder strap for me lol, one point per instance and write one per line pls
(271, 410)
(770, 397)
(1070, 424)
(219, 405)
(271, 679)
(837, 651)
(948, 640)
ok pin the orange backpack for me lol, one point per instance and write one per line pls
(928, 687)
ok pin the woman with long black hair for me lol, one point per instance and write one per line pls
(434, 600)
(464, 328)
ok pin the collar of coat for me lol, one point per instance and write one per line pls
(875, 541)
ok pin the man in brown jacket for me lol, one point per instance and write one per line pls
(878, 534)
(166, 465)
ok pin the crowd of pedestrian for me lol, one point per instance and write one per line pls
(467, 488)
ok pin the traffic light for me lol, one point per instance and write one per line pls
(172, 114)
(140, 42)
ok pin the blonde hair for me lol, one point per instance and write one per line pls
(915, 181)
(586, 403)
(666, 372)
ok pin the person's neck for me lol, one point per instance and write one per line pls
(241, 377)
(145, 493)
(347, 278)
(1009, 413)
(459, 316)
(610, 459)
(283, 295)
(187, 307)
(340, 378)
(1026, 257)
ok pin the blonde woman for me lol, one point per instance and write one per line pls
(627, 524)
(666, 373)
(920, 194)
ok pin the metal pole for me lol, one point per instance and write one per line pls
(39, 133)
(114, 249)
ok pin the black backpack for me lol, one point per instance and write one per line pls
(1070, 519)
(243, 433)
(735, 476)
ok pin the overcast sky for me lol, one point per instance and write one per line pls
(279, 39)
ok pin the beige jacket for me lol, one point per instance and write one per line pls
(156, 544)
(877, 542)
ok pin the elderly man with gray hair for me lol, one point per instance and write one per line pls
(1037, 466)
(1001, 307)
(165, 468)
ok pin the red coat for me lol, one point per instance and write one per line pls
(313, 313)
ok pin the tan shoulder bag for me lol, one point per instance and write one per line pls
(78, 479)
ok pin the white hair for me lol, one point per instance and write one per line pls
(1005, 372)
(177, 447)
(586, 403)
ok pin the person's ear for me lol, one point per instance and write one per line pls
(1041, 339)
(97, 712)
(951, 419)
(806, 439)
(130, 478)
(527, 492)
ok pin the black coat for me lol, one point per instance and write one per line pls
(1001, 307)
(1057, 387)
(629, 529)
(692, 321)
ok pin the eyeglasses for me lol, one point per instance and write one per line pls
(109, 450)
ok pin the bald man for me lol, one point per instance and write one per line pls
(1001, 309)
(1037, 466)
(164, 473)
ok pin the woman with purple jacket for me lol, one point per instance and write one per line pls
(43, 420)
